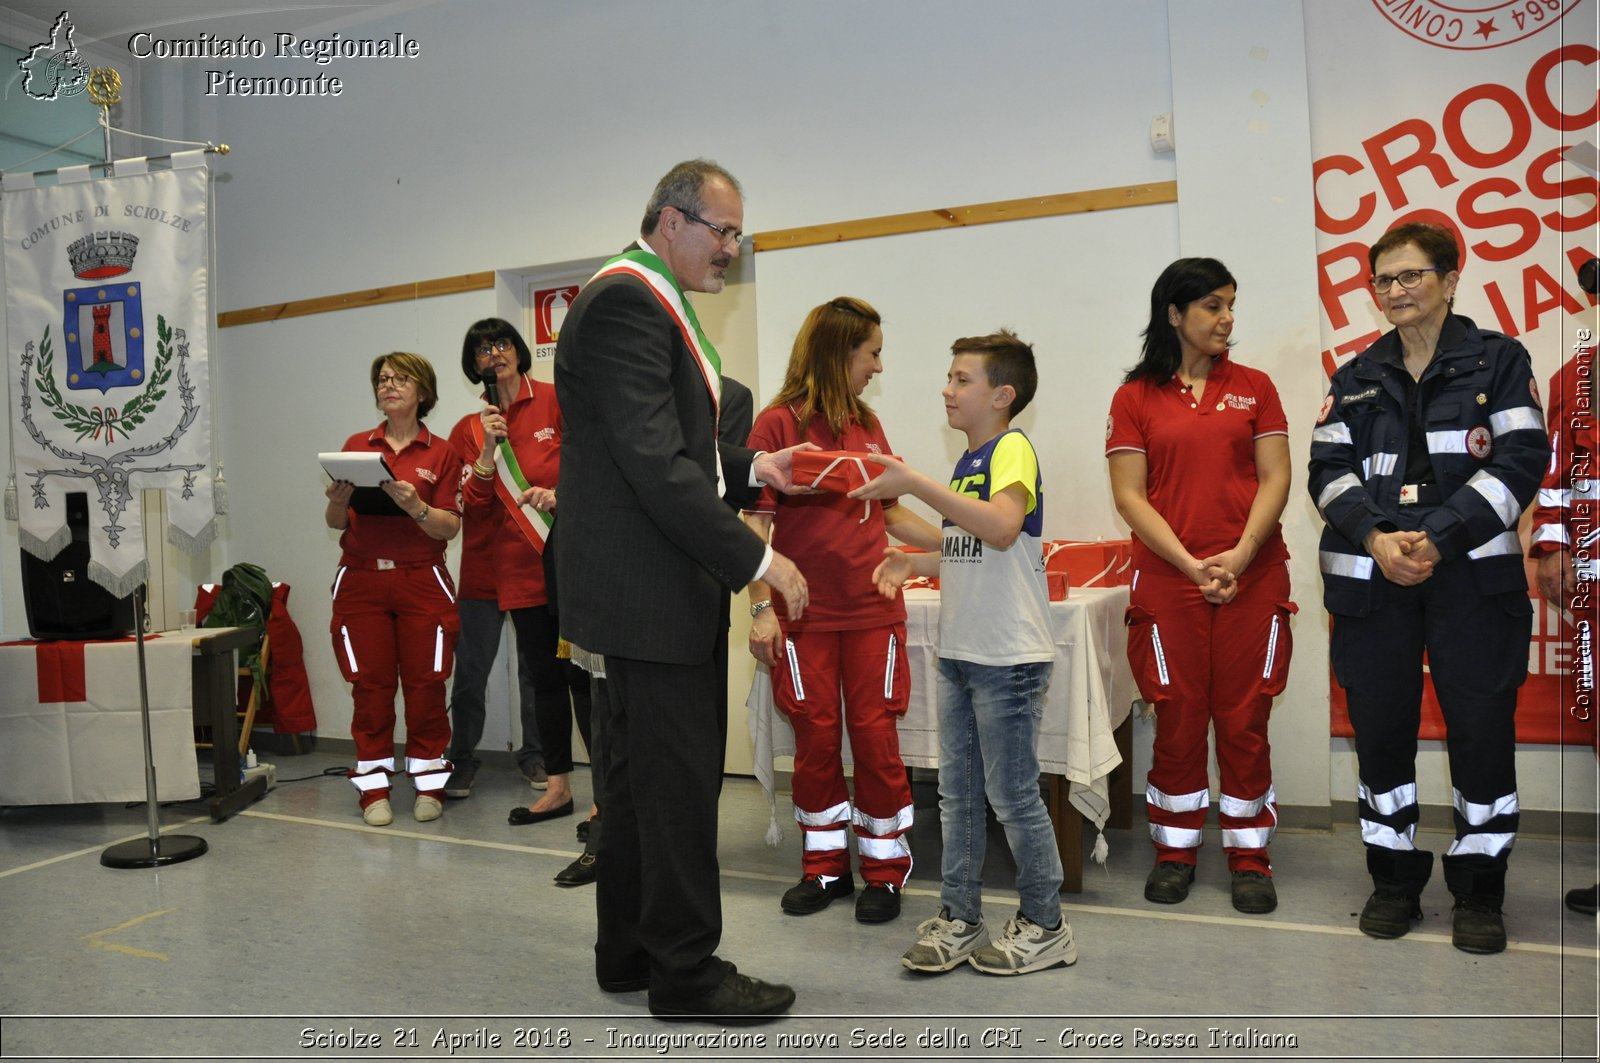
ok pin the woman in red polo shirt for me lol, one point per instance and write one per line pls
(850, 645)
(394, 616)
(1198, 450)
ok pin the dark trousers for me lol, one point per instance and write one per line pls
(596, 741)
(476, 649)
(658, 897)
(550, 691)
(1477, 647)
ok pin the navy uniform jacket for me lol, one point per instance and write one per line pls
(1486, 445)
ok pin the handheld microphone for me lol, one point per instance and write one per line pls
(491, 387)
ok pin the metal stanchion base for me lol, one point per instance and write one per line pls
(154, 852)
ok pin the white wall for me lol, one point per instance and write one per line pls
(1242, 130)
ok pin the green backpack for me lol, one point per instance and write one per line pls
(244, 600)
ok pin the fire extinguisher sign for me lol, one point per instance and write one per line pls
(549, 311)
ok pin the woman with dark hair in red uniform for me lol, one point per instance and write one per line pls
(1197, 448)
(394, 615)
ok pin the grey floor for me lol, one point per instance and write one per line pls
(302, 933)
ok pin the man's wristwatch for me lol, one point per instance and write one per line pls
(757, 608)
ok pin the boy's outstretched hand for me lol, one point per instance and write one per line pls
(896, 479)
(892, 571)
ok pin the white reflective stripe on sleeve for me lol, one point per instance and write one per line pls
(898, 823)
(1481, 845)
(794, 670)
(1174, 837)
(1246, 837)
(1351, 566)
(1380, 464)
(338, 578)
(444, 584)
(1387, 804)
(1239, 808)
(1505, 504)
(1554, 497)
(1556, 534)
(883, 848)
(1134, 583)
(1452, 442)
(1161, 654)
(1504, 543)
(1332, 433)
(1177, 802)
(1385, 836)
(1519, 419)
(1338, 487)
(1552, 533)
(824, 841)
(349, 650)
(839, 813)
(1272, 648)
(888, 667)
(1478, 815)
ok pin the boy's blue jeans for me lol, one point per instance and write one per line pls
(988, 722)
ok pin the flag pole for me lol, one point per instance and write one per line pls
(157, 849)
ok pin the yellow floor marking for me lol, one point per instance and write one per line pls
(97, 939)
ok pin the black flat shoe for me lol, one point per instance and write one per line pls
(580, 872)
(522, 816)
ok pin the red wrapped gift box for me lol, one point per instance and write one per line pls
(841, 471)
(1104, 563)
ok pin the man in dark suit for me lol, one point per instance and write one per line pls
(649, 551)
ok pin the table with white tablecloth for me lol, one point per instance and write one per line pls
(1089, 701)
(71, 729)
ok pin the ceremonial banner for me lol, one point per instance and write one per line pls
(1478, 115)
(107, 307)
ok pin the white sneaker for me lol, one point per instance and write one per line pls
(1025, 946)
(378, 814)
(944, 943)
(427, 808)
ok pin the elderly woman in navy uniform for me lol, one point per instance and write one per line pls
(1428, 447)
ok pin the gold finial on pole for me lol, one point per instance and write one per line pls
(105, 87)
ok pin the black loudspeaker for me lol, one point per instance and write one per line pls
(61, 600)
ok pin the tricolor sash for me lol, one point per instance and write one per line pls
(644, 264)
(509, 485)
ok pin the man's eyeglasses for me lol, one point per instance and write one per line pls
(484, 350)
(1408, 280)
(398, 380)
(727, 235)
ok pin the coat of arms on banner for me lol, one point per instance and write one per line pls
(103, 404)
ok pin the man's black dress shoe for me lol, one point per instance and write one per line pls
(738, 998)
(580, 872)
(522, 816)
